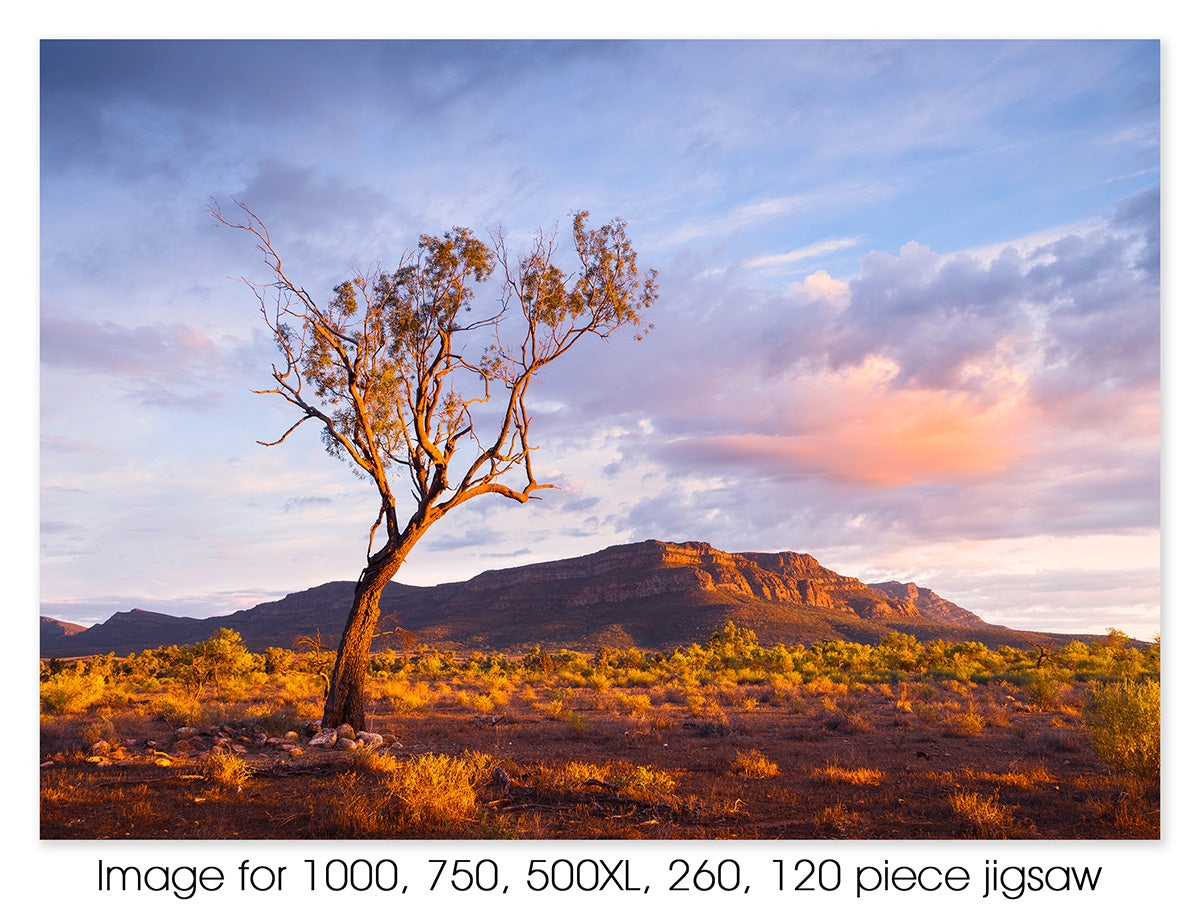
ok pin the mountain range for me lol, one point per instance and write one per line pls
(653, 595)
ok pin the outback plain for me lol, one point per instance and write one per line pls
(724, 738)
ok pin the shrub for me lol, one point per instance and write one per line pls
(177, 708)
(1123, 720)
(277, 661)
(71, 691)
(648, 783)
(407, 697)
(226, 769)
(218, 660)
(963, 725)
(436, 790)
(1042, 692)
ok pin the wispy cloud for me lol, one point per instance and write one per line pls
(796, 256)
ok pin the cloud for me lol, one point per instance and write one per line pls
(796, 255)
(170, 366)
(110, 347)
(930, 396)
(893, 440)
(770, 209)
(300, 503)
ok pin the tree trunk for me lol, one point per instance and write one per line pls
(344, 704)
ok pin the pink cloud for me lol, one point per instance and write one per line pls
(885, 439)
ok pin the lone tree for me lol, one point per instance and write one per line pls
(402, 378)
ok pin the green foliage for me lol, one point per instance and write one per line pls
(278, 661)
(217, 660)
(1123, 719)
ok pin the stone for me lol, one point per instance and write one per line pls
(324, 738)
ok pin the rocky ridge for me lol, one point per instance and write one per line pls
(652, 594)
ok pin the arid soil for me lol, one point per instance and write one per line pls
(874, 763)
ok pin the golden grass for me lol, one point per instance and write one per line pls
(982, 815)
(1025, 778)
(436, 789)
(637, 782)
(853, 776)
(754, 765)
(963, 725)
(227, 769)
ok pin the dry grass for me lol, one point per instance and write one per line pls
(226, 769)
(1025, 778)
(434, 790)
(753, 764)
(853, 776)
(963, 725)
(981, 816)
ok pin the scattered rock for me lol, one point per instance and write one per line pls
(324, 738)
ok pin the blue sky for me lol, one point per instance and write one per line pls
(908, 317)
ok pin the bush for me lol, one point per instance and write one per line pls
(227, 770)
(1123, 719)
(177, 707)
(436, 790)
(218, 660)
(71, 691)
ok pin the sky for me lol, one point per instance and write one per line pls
(908, 317)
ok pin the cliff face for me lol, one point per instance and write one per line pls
(930, 605)
(656, 568)
(653, 594)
